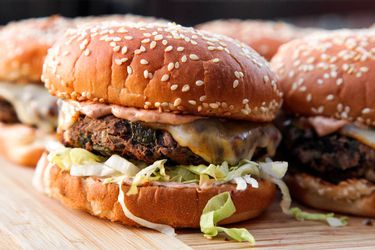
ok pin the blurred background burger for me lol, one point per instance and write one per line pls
(328, 134)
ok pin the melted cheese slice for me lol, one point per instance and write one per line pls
(32, 103)
(363, 135)
(215, 140)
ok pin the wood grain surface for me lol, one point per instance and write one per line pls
(30, 220)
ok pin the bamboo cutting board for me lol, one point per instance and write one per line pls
(30, 220)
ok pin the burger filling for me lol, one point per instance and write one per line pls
(28, 104)
(138, 147)
(7, 113)
(342, 154)
(199, 141)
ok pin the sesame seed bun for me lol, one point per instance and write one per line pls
(24, 46)
(354, 196)
(179, 206)
(329, 74)
(165, 67)
(263, 36)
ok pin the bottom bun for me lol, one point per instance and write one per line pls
(177, 205)
(21, 144)
(353, 196)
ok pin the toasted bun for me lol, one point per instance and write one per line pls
(263, 36)
(21, 144)
(24, 46)
(329, 74)
(179, 207)
(165, 67)
(356, 196)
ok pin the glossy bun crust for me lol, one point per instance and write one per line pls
(329, 74)
(263, 36)
(179, 207)
(165, 67)
(24, 46)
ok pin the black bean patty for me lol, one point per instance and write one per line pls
(334, 157)
(110, 135)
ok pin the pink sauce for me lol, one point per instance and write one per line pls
(96, 110)
(324, 126)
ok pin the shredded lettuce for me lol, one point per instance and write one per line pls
(168, 230)
(217, 209)
(81, 162)
(155, 172)
(329, 217)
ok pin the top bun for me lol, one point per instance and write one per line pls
(329, 74)
(165, 67)
(24, 46)
(263, 36)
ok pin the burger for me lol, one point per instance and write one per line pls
(328, 125)
(264, 36)
(28, 114)
(160, 126)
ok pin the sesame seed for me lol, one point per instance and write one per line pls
(237, 74)
(86, 52)
(146, 40)
(199, 83)
(303, 89)
(245, 112)
(152, 44)
(144, 61)
(177, 102)
(339, 81)
(211, 48)
(202, 98)
(158, 37)
(130, 70)
(192, 102)
(180, 49)
(183, 58)
(177, 65)
(124, 50)
(366, 111)
(235, 83)
(319, 81)
(116, 49)
(363, 69)
(309, 98)
(165, 78)
(169, 48)
(145, 74)
(174, 87)
(245, 101)
(128, 37)
(150, 75)
(148, 103)
(216, 60)
(185, 88)
(120, 61)
(170, 66)
(193, 57)
(266, 79)
(214, 105)
(330, 97)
